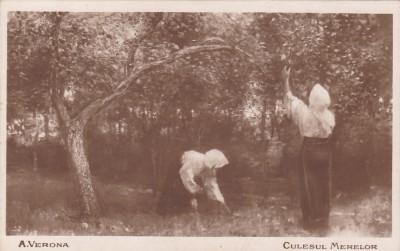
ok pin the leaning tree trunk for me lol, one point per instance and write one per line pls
(79, 167)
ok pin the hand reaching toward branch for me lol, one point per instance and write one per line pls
(285, 73)
(285, 78)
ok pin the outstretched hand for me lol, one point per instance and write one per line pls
(285, 73)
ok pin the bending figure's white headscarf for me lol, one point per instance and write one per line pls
(319, 101)
(215, 158)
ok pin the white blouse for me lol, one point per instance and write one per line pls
(193, 165)
(317, 122)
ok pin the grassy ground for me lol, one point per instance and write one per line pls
(38, 205)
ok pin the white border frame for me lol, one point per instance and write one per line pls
(8, 243)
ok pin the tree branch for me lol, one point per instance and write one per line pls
(89, 111)
(97, 105)
(252, 60)
(55, 90)
(148, 28)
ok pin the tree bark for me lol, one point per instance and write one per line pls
(79, 167)
(35, 141)
(46, 125)
(72, 131)
(264, 140)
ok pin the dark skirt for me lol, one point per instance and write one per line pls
(174, 198)
(315, 180)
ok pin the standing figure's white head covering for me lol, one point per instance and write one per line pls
(319, 101)
(215, 158)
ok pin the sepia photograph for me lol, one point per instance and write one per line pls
(171, 123)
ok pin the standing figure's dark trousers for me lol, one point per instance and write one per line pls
(315, 180)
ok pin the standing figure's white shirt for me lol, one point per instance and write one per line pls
(195, 164)
(314, 120)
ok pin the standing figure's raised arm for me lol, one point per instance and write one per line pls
(285, 79)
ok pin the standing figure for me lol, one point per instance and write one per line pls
(315, 123)
(197, 175)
